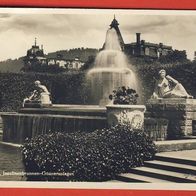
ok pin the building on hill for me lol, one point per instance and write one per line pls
(75, 63)
(69, 64)
(36, 57)
(141, 48)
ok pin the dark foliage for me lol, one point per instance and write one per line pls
(68, 88)
(43, 68)
(12, 65)
(82, 53)
(95, 156)
(175, 56)
(71, 87)
(89, 63)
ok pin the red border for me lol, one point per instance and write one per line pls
(88, 192)
(140, 4)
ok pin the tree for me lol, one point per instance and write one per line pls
(89, 64)
(175, 56)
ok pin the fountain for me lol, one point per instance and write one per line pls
(29, 122)
(110, 71)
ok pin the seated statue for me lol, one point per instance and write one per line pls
(39, 95)
(168, 87)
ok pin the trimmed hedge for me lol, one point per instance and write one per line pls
(71, 87)
(95, 156)
(68, 88)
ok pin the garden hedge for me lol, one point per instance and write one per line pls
(185, 73)
(81, 156)
(65, 88)
(71, 87)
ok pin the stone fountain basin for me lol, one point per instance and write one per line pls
(59, 109)
(30, 122)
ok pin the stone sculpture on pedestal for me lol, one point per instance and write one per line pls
(168, 87)
(40, 95)
(171, 101)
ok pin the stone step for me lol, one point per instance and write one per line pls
(175, 145)
(189, 161)
(189, 137)
(131, 177)
(10, 144)
(169, 166)
(164, 175)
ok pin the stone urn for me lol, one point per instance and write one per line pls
(131, 114)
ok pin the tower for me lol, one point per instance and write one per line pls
(114, 24)
(35, 55)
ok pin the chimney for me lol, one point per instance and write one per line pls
(35, 41)
(138, 38)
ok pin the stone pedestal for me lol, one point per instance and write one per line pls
(180, 112)
(45, 99)
(156, 128)
(37, 104)
(132, 114)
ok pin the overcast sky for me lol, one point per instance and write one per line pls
(66, 31)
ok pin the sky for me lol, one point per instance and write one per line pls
(64, 30)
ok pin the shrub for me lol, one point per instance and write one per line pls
(95, 156)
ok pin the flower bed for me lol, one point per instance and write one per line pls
(95, 156)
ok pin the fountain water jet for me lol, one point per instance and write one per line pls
(111, 70)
